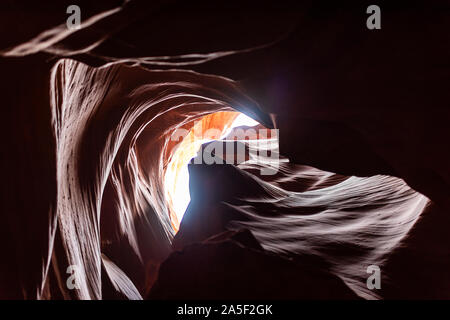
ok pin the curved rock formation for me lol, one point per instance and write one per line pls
(94, 112)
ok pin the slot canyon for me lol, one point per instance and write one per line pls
(107, 137)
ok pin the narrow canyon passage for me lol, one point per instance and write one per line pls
(163, 152)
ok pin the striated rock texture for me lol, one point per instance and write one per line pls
(88, 119)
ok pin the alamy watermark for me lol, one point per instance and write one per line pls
(74, 20)
(250, 145)
(72, 280)
(374, 20)
(374, 280)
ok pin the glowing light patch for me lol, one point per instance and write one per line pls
(244, 120)
(176, 179)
